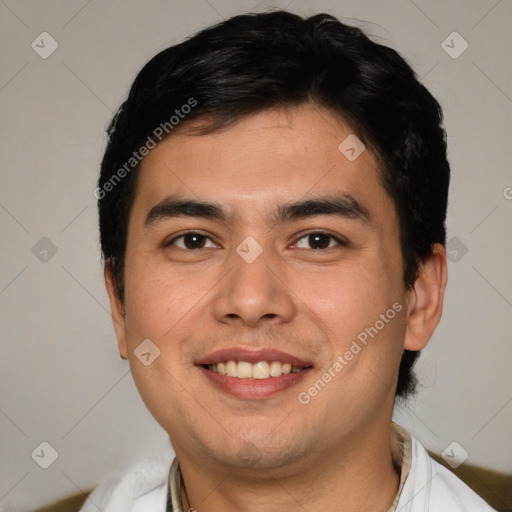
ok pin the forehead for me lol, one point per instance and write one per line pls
(262, 161)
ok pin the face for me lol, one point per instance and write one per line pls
(293, 268)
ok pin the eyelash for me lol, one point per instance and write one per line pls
(340, 242)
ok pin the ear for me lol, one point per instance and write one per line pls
(116, 308)
(426, 300)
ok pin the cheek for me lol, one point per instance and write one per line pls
(350, 303)
(159, 300)
(351, 297)
(160, 307)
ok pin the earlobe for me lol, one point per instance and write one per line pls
(117, 311)
(426, 300)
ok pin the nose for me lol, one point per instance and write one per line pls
(254, 293)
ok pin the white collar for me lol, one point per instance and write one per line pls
(428, 487)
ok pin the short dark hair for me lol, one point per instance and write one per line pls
(253, 62)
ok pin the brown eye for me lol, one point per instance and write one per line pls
(191, 241)
(319, 240)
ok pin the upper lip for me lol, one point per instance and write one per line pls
(252, 356)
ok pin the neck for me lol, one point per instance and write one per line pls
(358, 476)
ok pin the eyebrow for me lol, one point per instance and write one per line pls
(344, 206)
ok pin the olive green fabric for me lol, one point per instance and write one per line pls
(494, 487)
(69, 504)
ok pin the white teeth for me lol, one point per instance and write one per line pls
(231, 368)
(244, 370)
(276, 369)
(260, 370)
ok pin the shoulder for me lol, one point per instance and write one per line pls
(450, 491)
(430, 486)
(143, 484)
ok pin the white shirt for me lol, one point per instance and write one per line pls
(425, 485)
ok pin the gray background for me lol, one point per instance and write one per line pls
(62, 379)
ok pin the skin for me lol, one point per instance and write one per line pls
(311, 303)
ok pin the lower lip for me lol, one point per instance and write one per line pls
(254, 389)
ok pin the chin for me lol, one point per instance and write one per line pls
(266, 451)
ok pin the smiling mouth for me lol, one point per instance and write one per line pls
(259, 370)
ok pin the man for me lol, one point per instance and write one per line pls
(272, 203)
